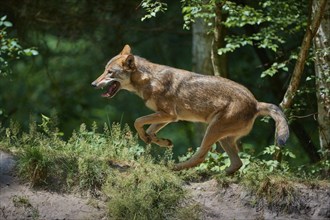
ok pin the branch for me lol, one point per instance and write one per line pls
(312, 28)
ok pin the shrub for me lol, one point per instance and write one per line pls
(146, 191)
(111, 162)
(34, 165)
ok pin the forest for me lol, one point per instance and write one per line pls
(51, 52)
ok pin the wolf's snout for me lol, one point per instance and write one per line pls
(94, 84)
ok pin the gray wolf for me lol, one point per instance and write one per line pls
(173, 94)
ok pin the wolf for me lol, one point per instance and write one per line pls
(174, 94)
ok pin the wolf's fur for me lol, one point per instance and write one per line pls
(174, 94)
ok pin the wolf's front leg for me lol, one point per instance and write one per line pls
(158, 118)
(152, 131)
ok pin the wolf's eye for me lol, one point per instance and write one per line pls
(110, 72)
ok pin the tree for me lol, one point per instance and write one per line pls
(219, 62)
(207, 16)
(201, 61)
(256, 40)
(312, 27)
(322, 72)
(272, 28)
(208, 34)
(10, 49)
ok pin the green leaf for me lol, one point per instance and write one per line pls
(30, 52)
(7, 24)
(3, 18)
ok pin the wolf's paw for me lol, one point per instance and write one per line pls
(146, 138)
(233, 168)
(164, 143)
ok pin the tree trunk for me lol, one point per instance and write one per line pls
(206, 59)
(298, 129)
(201, 61)
(219, 62)
(312, 27)
(322, 73)
(201, 48)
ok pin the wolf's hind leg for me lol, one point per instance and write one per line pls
(152, 131)
(230, 146)
(214, 132)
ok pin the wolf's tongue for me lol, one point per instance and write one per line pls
(111, 90)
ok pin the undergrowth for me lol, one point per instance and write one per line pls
(147, 191)
(271, 183)
(83, 161)
(274, 189)
(110, 163)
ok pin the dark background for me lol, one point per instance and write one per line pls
(75, 39)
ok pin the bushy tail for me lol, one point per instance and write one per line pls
(282, 128)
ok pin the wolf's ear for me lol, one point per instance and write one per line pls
(129, 63)
(126, 50)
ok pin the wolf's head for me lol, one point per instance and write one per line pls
(117, 73)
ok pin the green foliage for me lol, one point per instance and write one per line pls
(275, 21)
(275, 189)
(266, 15)
(264, 24)
(239, 16)
(111, 162)
(216, 162)
(272, 181)
(269, 30)
(74, 53)
(34, 165)
(319, 170)
(275, 67)
(83, 160)
(10, 48)
(145, 191)
(193, 9)
(152, 7)
(272, 184)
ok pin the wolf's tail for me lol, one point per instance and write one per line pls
(282, 128)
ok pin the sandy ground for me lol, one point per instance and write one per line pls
(233, 202)
(19, 201)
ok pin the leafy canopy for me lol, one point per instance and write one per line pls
(264, 24)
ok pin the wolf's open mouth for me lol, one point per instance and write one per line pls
(112, 89)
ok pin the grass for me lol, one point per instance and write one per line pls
(34, 165)
(145, 191)
(23, 202)
(112, 164)
(276, 189)
(109, 163)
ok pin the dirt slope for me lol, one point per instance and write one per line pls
(19, 201)
(233, 202)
